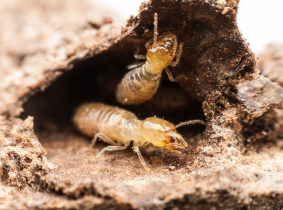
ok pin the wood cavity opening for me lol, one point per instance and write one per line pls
(95, 80)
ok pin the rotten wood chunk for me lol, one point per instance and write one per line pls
(42, 43)
(271, 62)
(258, 96)
(22, 157)
(264, 131)
(215, 56)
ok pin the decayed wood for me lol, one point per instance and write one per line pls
(234, 163)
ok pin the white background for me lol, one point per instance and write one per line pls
(260, 21)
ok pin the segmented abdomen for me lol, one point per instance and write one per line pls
(138, 85)
(117, 124)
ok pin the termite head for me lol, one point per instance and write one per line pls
(162, 52)
(162, 133)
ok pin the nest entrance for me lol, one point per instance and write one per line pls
(95, 80)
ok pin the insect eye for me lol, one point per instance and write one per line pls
(168, 44)
(173, 138)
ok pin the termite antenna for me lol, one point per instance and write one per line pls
(155, 23)
(191, 122)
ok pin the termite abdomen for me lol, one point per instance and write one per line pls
(137, 86)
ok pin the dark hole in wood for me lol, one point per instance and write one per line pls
(95, 80)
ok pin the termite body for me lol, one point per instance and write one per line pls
(119, 127)
(141, 83)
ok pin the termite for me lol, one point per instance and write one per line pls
(141, 83)
(119, 127)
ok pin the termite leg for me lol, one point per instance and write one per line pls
(112, 148)
(136, 149)
(149, 43)
(134, 65)
(103, 137)
(142, 57)
(170, 76)
(178, 55)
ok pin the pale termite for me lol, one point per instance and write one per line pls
(119, 127)
(141, 83)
